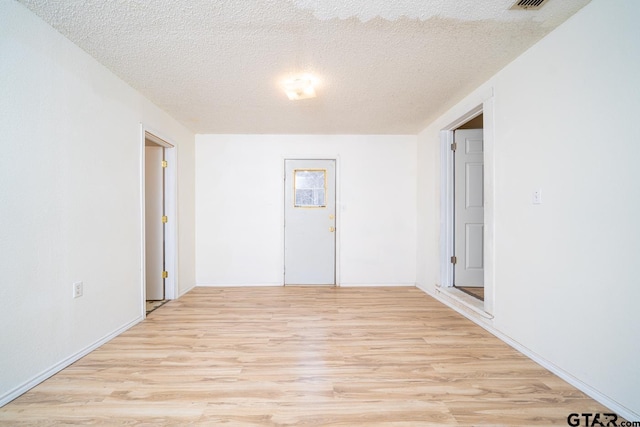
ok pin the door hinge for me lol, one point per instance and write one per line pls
(165, 274)
(165, 219)
(454, 146)
(165, 163)
(454, 260)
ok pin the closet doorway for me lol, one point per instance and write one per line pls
(466, 209)
(159, 221)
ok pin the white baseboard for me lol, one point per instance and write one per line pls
(184, 291)
(579, 384)
(377, 285)
(23, 388)
(341, 285)
(237, 285)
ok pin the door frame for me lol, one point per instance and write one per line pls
(336, 159)
(447, 213)
(170, 200)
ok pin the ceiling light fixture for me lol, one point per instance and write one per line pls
(300, 87)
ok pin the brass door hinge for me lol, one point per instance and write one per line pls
(165, 164)
(165, 274)
(454, 146)
(454, 260)
(165, 219)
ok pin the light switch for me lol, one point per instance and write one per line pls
(537, 196)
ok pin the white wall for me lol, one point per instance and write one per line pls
(239, 210)
(566, 120)
(70, 200)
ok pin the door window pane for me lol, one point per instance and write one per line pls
(310, 188)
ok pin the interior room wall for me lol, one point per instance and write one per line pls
(565, 121)
(240, 197)
(70, 200)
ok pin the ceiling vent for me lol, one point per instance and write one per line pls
(528, 4)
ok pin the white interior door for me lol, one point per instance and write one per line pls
(310, 220)
(469, 208)
(154, 227)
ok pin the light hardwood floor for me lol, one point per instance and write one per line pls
(473, 291)
(299, 356)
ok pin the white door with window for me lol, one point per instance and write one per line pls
(469, 208)
(309, 222)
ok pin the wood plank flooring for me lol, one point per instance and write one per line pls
(154, 305)
(477, 292)
(302, 356)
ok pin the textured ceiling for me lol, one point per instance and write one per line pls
(384, 67)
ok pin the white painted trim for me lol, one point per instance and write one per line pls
(338, 233)
(239, 285)
(378, 285)
(272, 284)
(184, 291)
(157, 140)
(489, 204)
(464, 301)
(338, 221)
(171, 231)
(446, 209)
(171, 207)
(48, 373)
(143, 249)
(471, 114)
(447, 199)
(554, 369)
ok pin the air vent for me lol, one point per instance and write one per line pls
(528, 4)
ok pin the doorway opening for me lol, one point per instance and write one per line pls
(159, 219)
(468, 207)
(466, 245)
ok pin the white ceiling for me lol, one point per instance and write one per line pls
(384, 66)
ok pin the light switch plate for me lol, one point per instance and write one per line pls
(78, 288)
(537, 197)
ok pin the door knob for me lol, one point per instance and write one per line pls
(332, 229)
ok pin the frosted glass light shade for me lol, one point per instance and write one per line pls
(300, 88)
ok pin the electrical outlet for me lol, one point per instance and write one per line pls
(77, 289)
